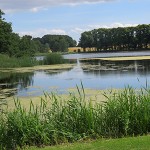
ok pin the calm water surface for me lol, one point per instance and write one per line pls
(93, 74)
(108, 54)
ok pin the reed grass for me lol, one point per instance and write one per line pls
(54, 58)
(49, 59)
(13, 62)
(57, 121)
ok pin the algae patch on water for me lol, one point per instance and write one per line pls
(53, 68)
(89, 94)
(119, 58)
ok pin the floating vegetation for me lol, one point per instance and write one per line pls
(105, 65)
(5, 93)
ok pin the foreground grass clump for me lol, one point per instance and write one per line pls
(57, 121)
(13, 62)
(54, 58)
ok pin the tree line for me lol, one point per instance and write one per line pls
(121, 38)
(127, 38)
(14, 45)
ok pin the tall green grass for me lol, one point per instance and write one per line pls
(54, 58)
(13, 62)
(57, 121)
(49, 59)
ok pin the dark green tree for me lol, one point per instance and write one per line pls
(27, 46)
(58, 42)
(128, 38)
(5, 34)
(14, 49)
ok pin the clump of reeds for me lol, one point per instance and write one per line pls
(56, 121)
(54, 58)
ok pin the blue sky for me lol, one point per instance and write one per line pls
(72, 17)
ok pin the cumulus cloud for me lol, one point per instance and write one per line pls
(36, 5)
(78, 30)
(41, 32)
(113, 25)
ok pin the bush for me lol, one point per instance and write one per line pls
(54, 58)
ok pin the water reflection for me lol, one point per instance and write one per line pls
(107, 68)
(94, 74)
(11, 83)
(106, 54)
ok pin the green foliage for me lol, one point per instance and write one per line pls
(27, 47)
(128, 38)
(5, 35)
(58, 121)
(54, 58)
(14, 49)
(58, 43)
(39, 47)
(13, 62)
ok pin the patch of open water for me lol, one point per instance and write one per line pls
(93, 74)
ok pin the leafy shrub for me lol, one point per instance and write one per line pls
(54, 58)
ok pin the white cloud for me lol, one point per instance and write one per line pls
(42, 32)
(36, 5)
(117, 24)
(113, 25)
(35, 9)
(78, 30)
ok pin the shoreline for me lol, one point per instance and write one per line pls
(57, 67)
(120, 58)
(93, 95)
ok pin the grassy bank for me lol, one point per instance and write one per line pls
(13, 62)
(56, 120)
(136, 143)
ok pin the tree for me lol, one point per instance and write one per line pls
(39, 46)
(86, 40)
(27, 46)
(58, 42)
(1, 14)
(14, 45)
(127, 38)
(5, 35)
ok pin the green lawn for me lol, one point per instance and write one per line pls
(136, 143)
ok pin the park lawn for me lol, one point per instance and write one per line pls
(131, 143)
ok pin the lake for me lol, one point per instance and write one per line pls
(93, 74)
